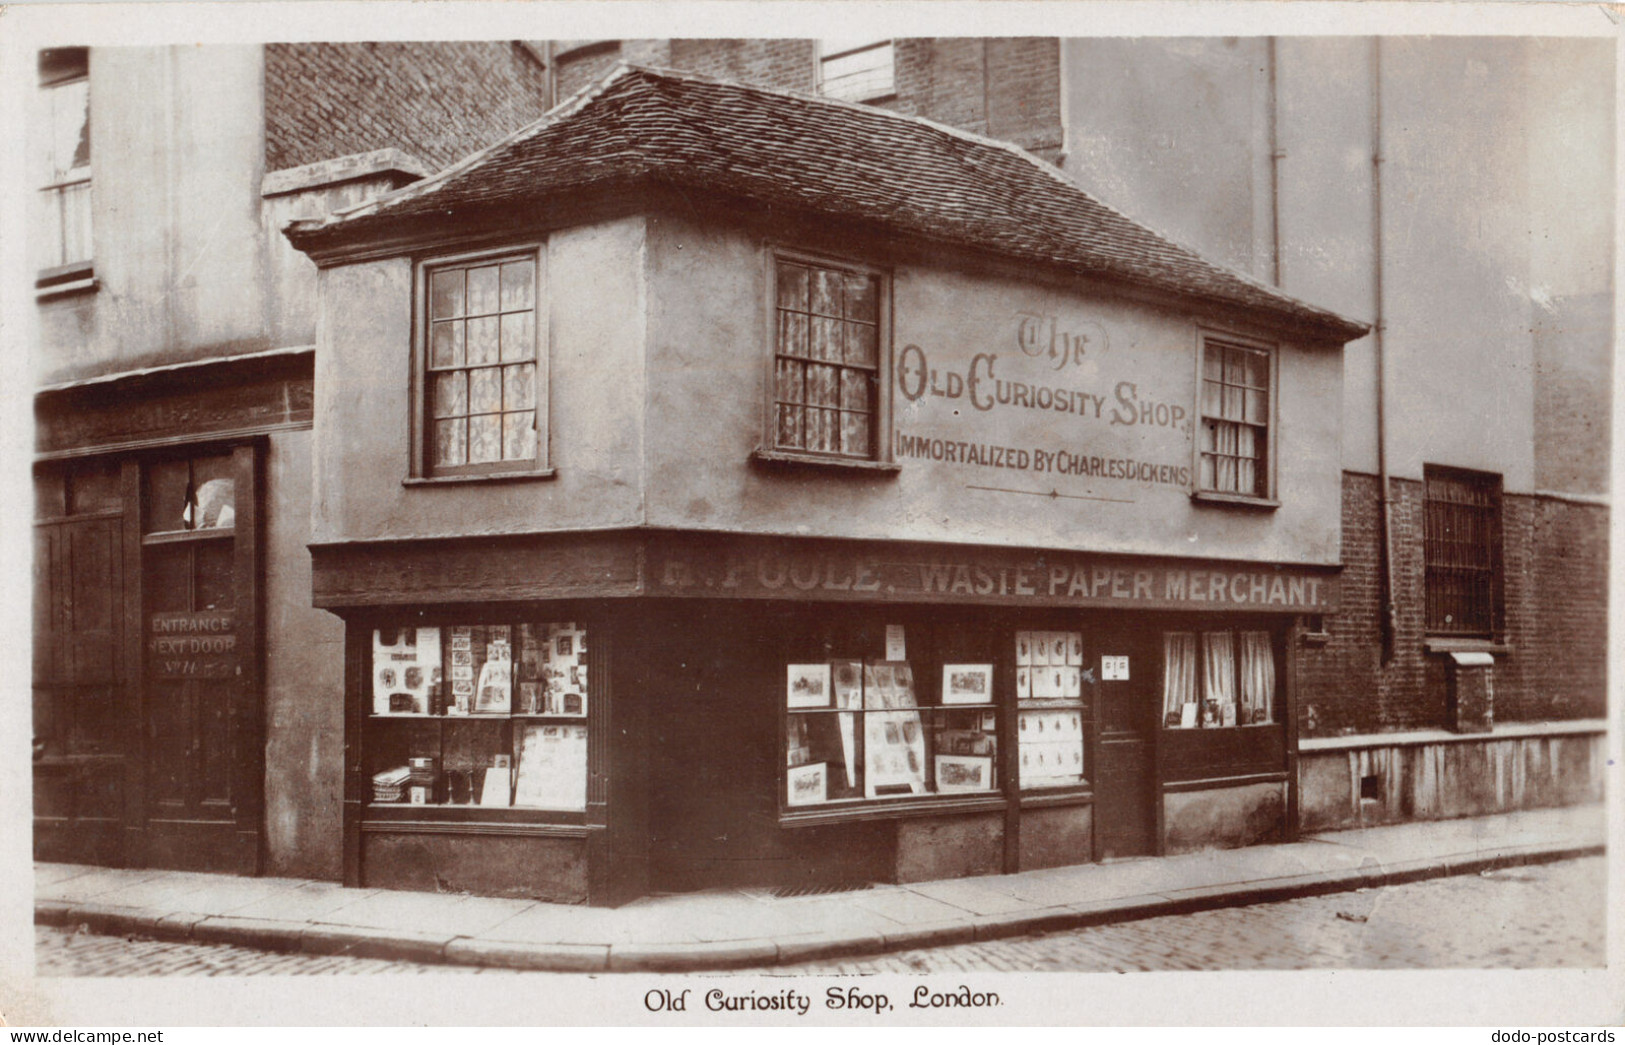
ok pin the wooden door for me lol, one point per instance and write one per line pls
(203, 729)
(1126, 784)
(80, 733)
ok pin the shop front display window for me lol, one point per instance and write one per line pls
(486, 714)
(860, 730)
(1049, 708)
(1218, 679)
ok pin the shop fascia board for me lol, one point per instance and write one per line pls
(636, 562)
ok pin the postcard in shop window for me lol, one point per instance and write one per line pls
(807, 685)
(967, 683)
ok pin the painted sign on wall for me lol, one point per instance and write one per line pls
(191, 645)
(1035, 398)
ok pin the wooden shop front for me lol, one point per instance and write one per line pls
(596, 717)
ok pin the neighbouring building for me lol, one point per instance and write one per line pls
(714, 484)
(186, 694)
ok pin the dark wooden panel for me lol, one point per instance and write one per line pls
(492, 569)
(190, 404)
(1125, 796)
(1203, 754)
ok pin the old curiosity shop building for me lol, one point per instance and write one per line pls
(717, 484)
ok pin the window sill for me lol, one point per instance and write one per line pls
(1445, 644)
(789, 459)
(895, 809)
(1263, 504)
(78, 277)
(486, 477)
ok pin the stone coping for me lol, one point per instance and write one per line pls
(1410, 738)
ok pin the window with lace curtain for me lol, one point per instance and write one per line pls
(1236, 409)
(1217, 679)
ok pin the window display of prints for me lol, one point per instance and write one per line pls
(967, 683)
(958, 773)
(494, 691)
(1051, 746)
(847, 679)
(493, 673)
(807, 785)
(498, 787)
(894, 752)
(807, 685)
(405, 671)
(552, 770)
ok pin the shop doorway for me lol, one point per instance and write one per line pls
(201, 703)
(1126, 784)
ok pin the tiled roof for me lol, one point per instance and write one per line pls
(819, 156)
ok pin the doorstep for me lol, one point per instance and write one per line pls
(730, 928)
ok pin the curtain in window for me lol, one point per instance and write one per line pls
(1178, 672)
(1219, 674)
(1257, 677)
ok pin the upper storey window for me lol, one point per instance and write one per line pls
(483, 373)
(65, 234)
(858, 69)
(1236, 406)
(829, 360)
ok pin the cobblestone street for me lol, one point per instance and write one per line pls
(1541, 916)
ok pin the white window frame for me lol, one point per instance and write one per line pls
(421, 467)
(835, 50)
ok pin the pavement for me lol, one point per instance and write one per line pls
(726, 928)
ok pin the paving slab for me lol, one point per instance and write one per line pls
(196, 893)
(567, 924)
(423, 912)
(94, 883)
(837, 917)
(905, 907)
(306, 902)
(978, 896)
(50, 874)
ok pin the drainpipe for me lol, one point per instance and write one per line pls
(1389, 621)
(1277, 154)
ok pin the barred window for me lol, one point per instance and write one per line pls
(484, 383)
(1462, 539)
(1236, 413)
(828, 359)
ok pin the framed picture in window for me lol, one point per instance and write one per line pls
(964, 773)
(808, 785)
(807, 685)
(967, 683)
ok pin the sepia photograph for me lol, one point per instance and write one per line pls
(1222, 402)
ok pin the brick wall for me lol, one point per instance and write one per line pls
(578, 68)
(1007, 88)
(1003, 87)
(1556, 589)
(436, 101)
(786, 64)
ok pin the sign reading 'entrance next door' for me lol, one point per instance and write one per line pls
(991, 576)
(191, 645)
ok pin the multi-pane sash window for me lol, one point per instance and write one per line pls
(827, 358)
(1461, 535)
(1235, 419)
(856, 69)
(65, 189)
(483, 384)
